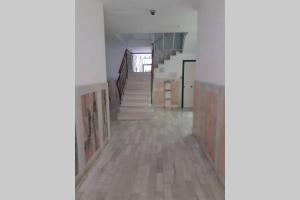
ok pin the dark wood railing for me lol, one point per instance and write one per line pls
(152, 71)
(123, 73)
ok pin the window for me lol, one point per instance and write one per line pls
(142, 62)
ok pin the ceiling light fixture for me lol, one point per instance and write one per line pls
(152, 12)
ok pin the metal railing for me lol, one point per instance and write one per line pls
(123, 72)
(152, 73)
(165, 45)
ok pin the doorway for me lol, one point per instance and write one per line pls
(188, 78)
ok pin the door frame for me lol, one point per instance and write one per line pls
(182, 81)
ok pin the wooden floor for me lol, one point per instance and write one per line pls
(155, 159)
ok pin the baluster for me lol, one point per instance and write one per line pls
(174, 40)
(163, 41)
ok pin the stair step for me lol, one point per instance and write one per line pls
(139, 76)
(136, 97)
(146, 101)
(141, 88)
(139, 73)
(137, 92)
(136, 103)
(148, 94)
(136, 109)
(141, 79)
(138, 86)
(133, 82)
(134, 116)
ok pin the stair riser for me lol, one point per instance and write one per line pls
(139, 85)
(130, 83)
(142, 80)
(139, 76)
(133, 98)
(138, 88)
(137, 95)
(135, 104)
(133, 116)
(135, 109)
(137, 92)
(130, 101)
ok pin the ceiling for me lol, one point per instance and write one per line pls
(133, 16)
(137, 36)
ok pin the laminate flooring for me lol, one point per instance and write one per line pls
(157, 159)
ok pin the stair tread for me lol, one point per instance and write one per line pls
(134, 116)
(136, 101)
(135, 109)
(137, 92)
(137, 96)
(135, 104)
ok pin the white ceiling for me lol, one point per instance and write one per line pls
(132, 16)
(137, 36)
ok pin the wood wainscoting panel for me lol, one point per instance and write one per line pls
(210, 124)
(174, 92)
(158, 93)
(197, 110)
(104, 117)
(222, 143)
(90, 124)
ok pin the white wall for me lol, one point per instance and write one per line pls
(90, 63)
(172, 70)
(114, 55)
(139, 46)
(145, 49)
(115, 50)
(211, 42)
(190, 42)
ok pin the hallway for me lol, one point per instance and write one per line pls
(152, 159)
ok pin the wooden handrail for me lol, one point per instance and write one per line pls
(123, 59)
(161, 52)
(152, 72)
(123, 73)
(160, 38)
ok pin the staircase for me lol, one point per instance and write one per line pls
(167, 45)
(174, 59)
(136, 100)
